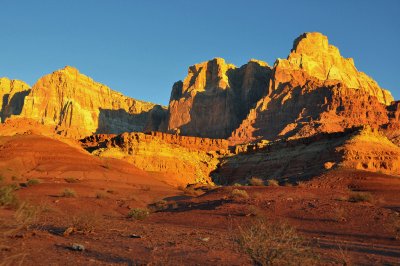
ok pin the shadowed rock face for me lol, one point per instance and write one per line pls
(78, 106)
(12, 95)
(358, 148)
(215, 97)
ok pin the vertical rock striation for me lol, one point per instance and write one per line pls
(78, 106)
(215, 97)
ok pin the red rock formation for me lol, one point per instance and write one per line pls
(215, 97)
(292, 160)
(182, 160)
(314, 90)
(78, 106)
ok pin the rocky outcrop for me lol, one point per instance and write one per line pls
(313, 54)
(182, 160)
(12, 95)
(392, 129)
(78, 106)
(215, 97)
(298, 159)
(314, 90)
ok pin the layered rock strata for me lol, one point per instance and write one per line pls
(79, 106)
(182, 160)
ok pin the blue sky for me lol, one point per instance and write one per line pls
(142, 47)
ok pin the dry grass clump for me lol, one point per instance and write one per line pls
(254, 211)
(138, 213)
(68, 193)
(26, 215)
(239, 194)
(255, 181)
(8, 197)
(85, 222)
(360, 197)
(273, 183)
(269, 243)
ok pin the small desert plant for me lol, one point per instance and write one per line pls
(138, 213)
(237, 185)
(71, 180)
(270, 243)
(32, 182)
(85, 222)
(14, 186)
(273, 183)
(342, 198)
(360, 197)
(239, 194)
(255, 181)
(26, 215)
(8, 197)
(343, 255)
(69, 193)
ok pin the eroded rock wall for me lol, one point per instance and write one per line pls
(182, 160)
(78, 106)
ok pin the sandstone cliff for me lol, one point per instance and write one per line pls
(313, 54)
(78, 106)
(314, 90)
(215, 97)
(12, 95)
(182, 160)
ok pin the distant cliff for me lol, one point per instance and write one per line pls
(77, 106)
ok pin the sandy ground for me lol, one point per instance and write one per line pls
(191, 230)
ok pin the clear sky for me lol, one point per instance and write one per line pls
(141, 48)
